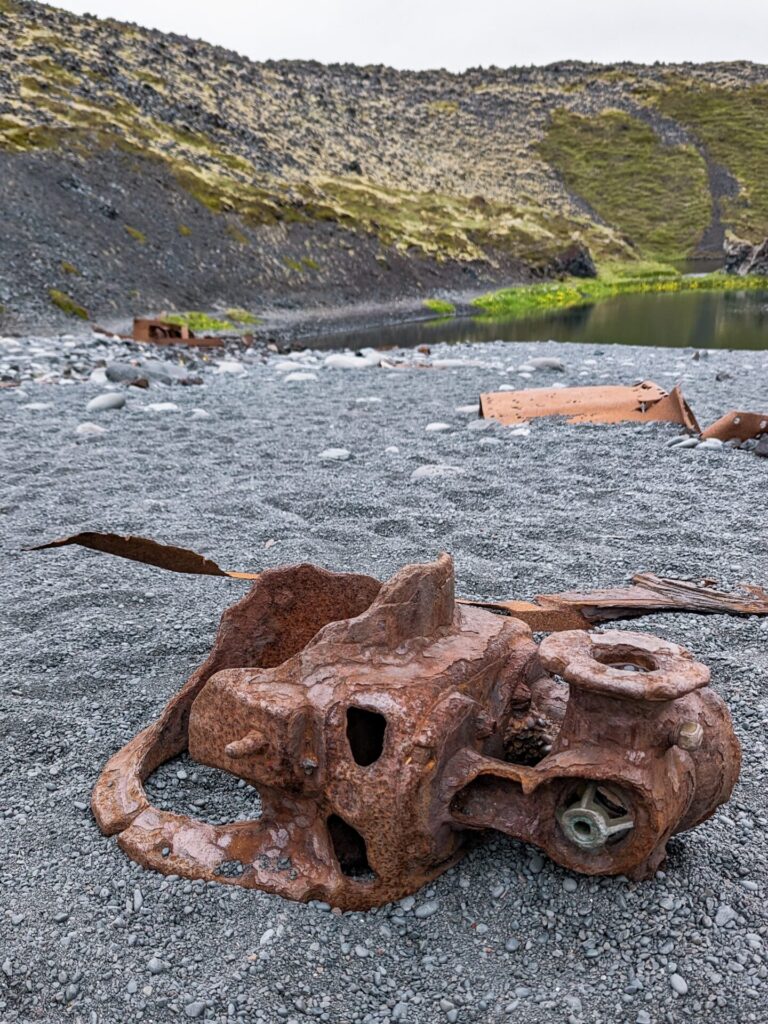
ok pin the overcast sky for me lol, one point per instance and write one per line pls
(457, 34)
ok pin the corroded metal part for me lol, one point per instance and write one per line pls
(382, 723)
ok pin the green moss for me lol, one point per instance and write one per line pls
(440, 306)
(309, 263)
(294, 265)
(234, 232)
(443, 106)
(137, 235)
(733, 126)
(241, 316)
(67, 305)
(69, 268)
(184, 231)
(656, 195)
(200, 323)
(528, 300)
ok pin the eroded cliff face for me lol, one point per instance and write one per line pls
(146, 171)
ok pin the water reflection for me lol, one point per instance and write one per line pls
(737, 320)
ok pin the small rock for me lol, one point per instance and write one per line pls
(89, 429)
(687, 442)
(643, 1017)
(512, 945)
(353, 360)
(155, 966)
(335, 455)
(724, 915)
(479, 424)
(469, 409)
(293, 377)
(678, 984)
(437, 427)
(230, 366)
(200, 414)
(103, 402)
(362, 951)
(536, 864)
(546, 363)
(162, 407)
(195, 1009)
(570, 884)
(433, 472)
(761, 448)
(7, 967)
(427, 909)
(711, 444)
(392, 449)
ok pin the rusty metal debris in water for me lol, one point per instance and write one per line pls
(382, 724)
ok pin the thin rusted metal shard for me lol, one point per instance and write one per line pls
(645, 402)
(736, 425)
(648, 594)
(381, 724)
(150, 552)
(547, 613)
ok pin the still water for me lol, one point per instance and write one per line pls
(697, 319)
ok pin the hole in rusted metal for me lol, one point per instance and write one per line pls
(184, 786)
(625, 659)
(349, 848)
(365, 732)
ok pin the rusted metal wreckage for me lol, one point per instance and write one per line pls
(382, 724)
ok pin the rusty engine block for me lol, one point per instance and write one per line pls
(382, 723)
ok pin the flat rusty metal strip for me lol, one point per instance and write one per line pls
(643, 403)
(150, 552)
(738, 426)
(647, 594)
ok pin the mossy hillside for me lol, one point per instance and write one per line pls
(67, 304)
(530, 300)
(656, 195)
(733, 126)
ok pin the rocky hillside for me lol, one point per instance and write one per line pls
(142, 171)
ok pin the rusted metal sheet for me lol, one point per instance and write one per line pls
(645, 402)
(383, 723)
(150, 552)
(163, 332)
(736, 425)
(648, 594)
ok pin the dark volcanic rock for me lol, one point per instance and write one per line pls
(743, 258)
(577, 261)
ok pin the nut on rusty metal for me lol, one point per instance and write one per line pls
(382, 724)
(690, 736)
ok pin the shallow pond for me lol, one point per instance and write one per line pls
(736, 320)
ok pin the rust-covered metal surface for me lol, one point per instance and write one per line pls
(383, 723)
(738, 426)
(163, 332)
(645, 402)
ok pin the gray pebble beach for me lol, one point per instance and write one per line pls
(240, 468)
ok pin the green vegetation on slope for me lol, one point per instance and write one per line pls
(733, 126)
(67, 305)
(440, 306)
(529, 300)
(656, 195)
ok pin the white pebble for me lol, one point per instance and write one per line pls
(392, 449)
(432, 472)
(299, 377)
(353, 360)
(230, 366)
(335, 454)
(469, 409)
(162, 407)
(200, 414)
(37, 406)
(437, 427)
(88, 429)
(103, 402)
(678, 984)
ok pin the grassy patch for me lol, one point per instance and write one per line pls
(67, 305)
(656, 195)
(184, 231)
(69, 268)
(440, 306)
(241, 316)
(443, 106)
(137, 235)
(733, 126)
(529, 300)
(200, 323)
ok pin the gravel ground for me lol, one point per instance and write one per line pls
(93, 647)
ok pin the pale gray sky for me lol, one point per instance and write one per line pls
(456, 34)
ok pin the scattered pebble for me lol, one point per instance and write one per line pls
(89, 429)
(101, 403)
(335, 454)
